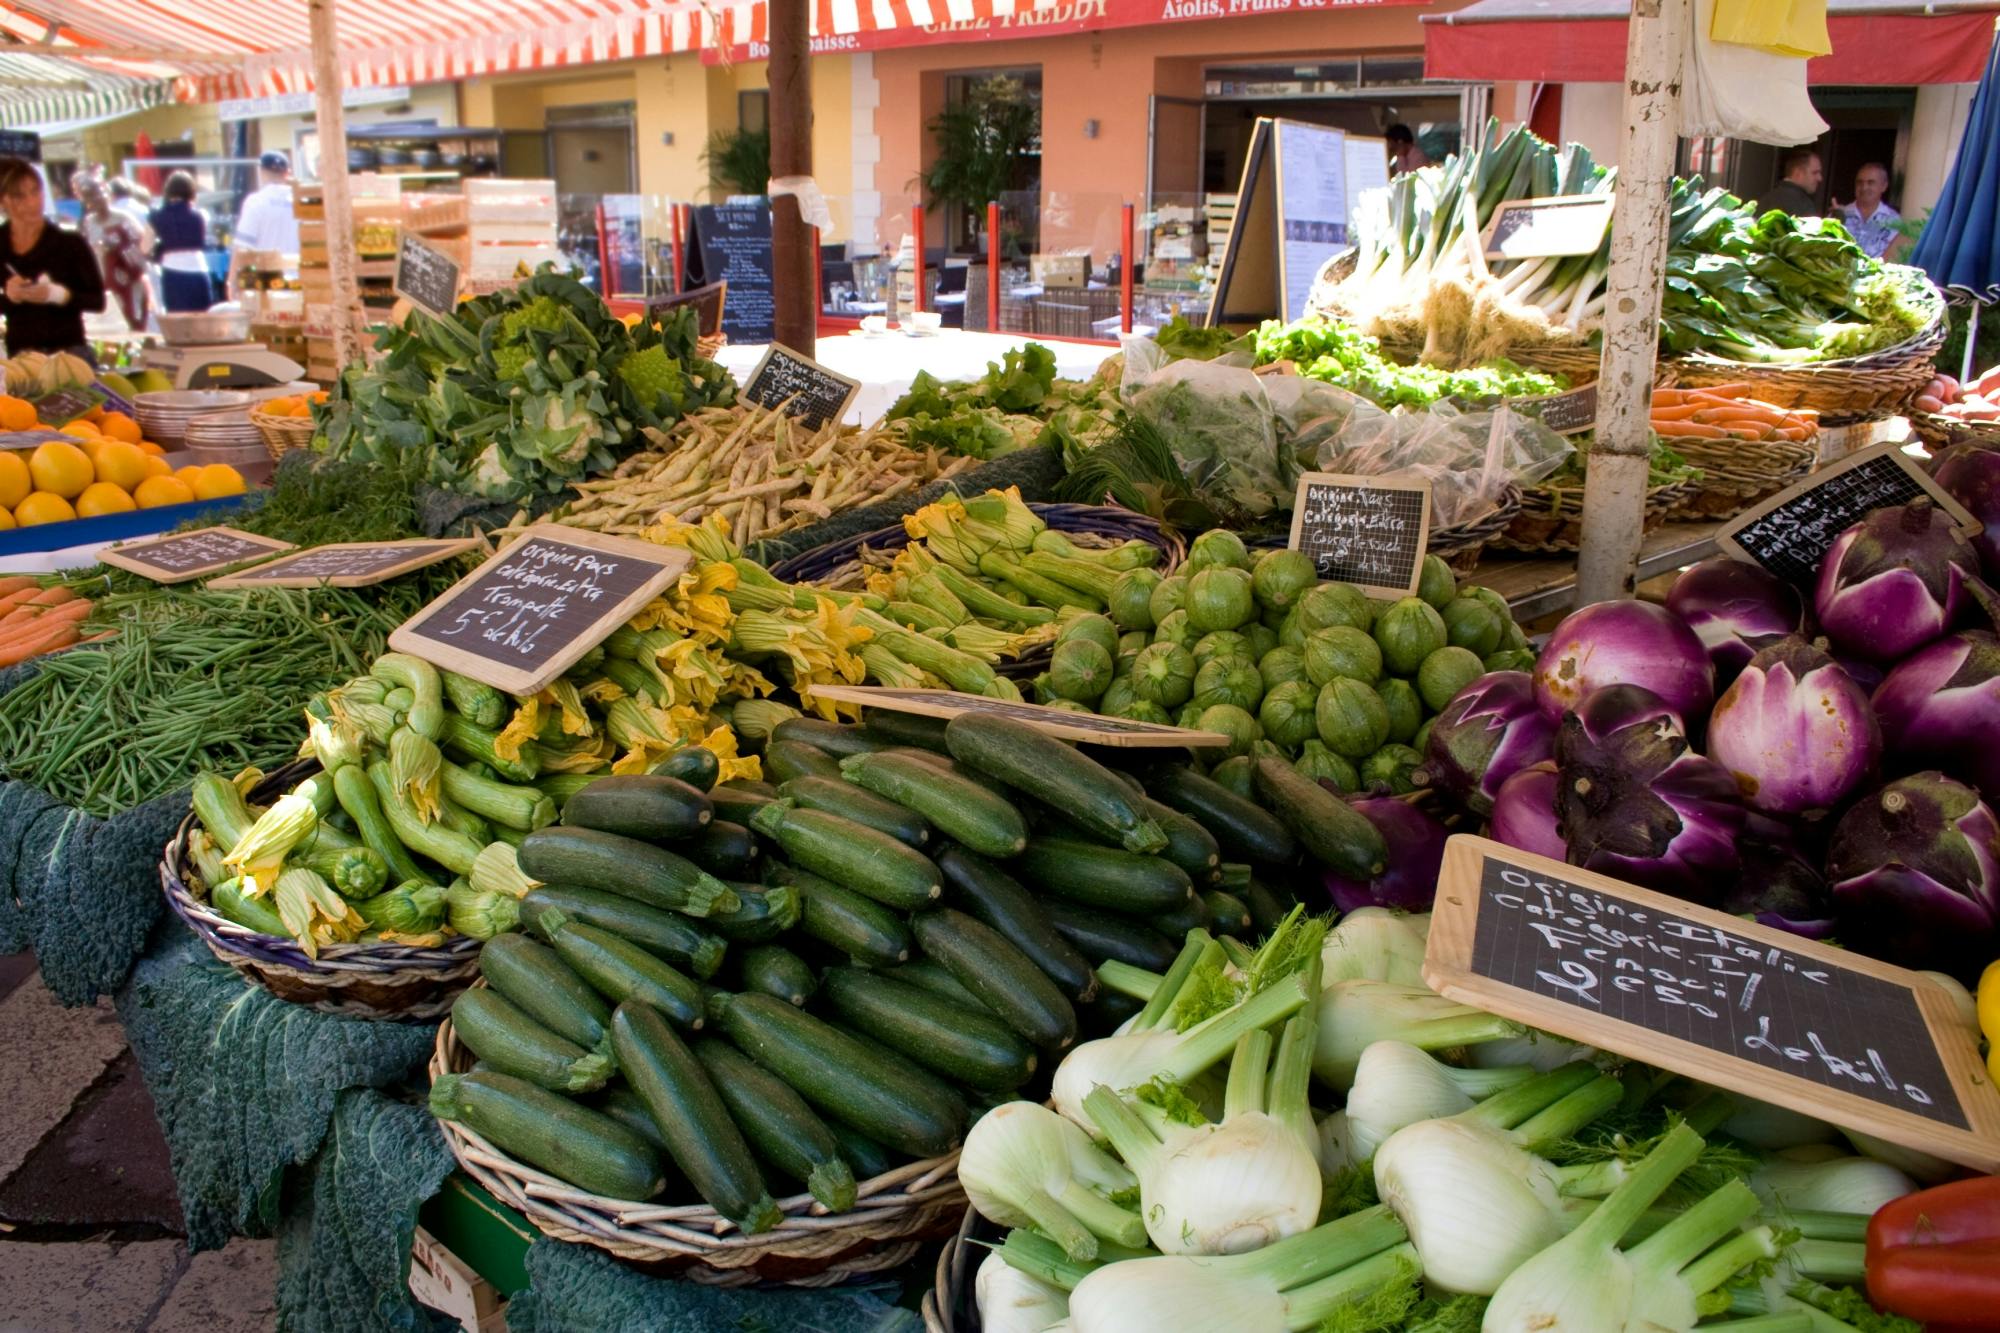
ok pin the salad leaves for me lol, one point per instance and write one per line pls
(1342, 355)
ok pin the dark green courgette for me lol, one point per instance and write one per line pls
(961, 809)
(620, 970)
(785, 760)
(867, 1157)
(999, 974)
(724, 849)
(1176, 921)
(587, 1148)
(498, 1032)
(1189, 845)
(665, 934)
(538, 981)
(853, 923)
(997, 898)
(851, 855)
(1101, 936)
(1244, 830)
(762, 913)
(1267, 909)
(962, 1043)
(914, 729)
(1227, 914)
(1048, 770)
(1333, 832)
(779, 1124)
(933, 977)
(737, 804)
(648, 806)
(1100, 876)
(834, 796)
(772, 969)
(837, 739)
(695, 765)
(618, 864)
(623, 1105)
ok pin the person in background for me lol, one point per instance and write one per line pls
(266, 223)
(1405, 153)
(134, 201)
(1869, 218)
(52, 280)
(121, 248)
(180, 244)
(1798, 192)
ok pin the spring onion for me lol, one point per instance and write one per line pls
(1023, 1165)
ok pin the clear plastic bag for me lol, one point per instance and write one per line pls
(1219, 422)
(1469, 457)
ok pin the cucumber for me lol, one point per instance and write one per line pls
(498, 1032)
(853, 923)
(957, 1041)
(1244, 830)
(626, 866)
(779, 1124)
(620, 970)
(663, 934)
(837, 739)
(996, 898)
(701, 1138)
(762, 913)
(358, 798)
(695, 765)
(932, 977)
(772, 969)
(867, 1157)
(1333, 832)
(724, 849)
(785, 760)
(1227, 914)
(623, 1105)
(1189, 845)
(586, 1148)
(849, 801)
(851, 855)
(535, 979)
(255, 914)
(736, 804)
(1050, 771)
(913, 729)
(1099, 876)
(843, 1076)
(962, 810)
(999, 974)
(1101, 935)
(640, 805)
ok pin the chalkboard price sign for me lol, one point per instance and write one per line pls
(732, 243)
(428, 277)
(1055, 721)
(66, 405)
(1569, 413)
(189, 555)
(802, 386)
(1790, 533)
(709, 302)
(347, 564)
(1759, 1011)
(525, 616)
(1544, 228)
(1368, 531)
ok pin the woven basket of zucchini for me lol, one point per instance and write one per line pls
(358, 980)
(949, 1306)
(610, 1143)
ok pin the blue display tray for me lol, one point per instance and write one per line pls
(112, 527)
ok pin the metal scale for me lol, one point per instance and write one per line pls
(245, 365)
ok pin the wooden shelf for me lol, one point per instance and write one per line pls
(1545, 585)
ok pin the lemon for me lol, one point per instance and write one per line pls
(15, 483)
(103, 497)
(6, 520)
(43, 507)
(188, 475)
(121, 464)
(217, 480)
(61, 469)
(156, 466)
(158, 492)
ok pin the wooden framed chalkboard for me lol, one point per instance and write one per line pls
(1368, 531)
(732, 243)
(182, 556)
(802, 386)
(709, 303)
(526, 615)
(1116, 731)
(66, 405)
(1545, 228)
(1568, 413)
(1790, 533)
(347, 564)
(1758, 1011)
(427, 276)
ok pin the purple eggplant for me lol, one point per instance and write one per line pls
(1894, 582)
(1524, 812)
(1971, 476)
(1626, 643)
(1491, 730)
(1795, 731)
(1916, 875)
(1781, 885)
(1635, 801)
(1940, 708)
(1735, 608)
(1415, 840)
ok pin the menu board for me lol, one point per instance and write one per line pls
(526, 615)
(24, 144)
(1368, 531)
(182, 556)
(1069, 726)
(1759, 1011)
(1293, 205)
(1790, 533)
(347, 564)
(802, 386)
(427, 276)
(1312, 206)
(1546, 228)
(709, 303)
(732, 244)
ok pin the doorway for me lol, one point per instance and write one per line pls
(591, 148)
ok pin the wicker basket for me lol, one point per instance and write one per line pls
(1939, 432)
(1551, 518)
(948, 1306)
(391, 981)
(708, 344)
(894, 1215)
(282, 434)
(1736, 474)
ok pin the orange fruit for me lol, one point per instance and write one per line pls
(94, 416)
(156, 466)
(61, 469)
(158, 492)
(42, 507)
(102, 497)
(15, 483)
(16, 413)
(281, 407)
(217, 480)
(121, 464)
(118, 426)
(152, 450)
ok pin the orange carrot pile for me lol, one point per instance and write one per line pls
(36, 620)
(1726, 412)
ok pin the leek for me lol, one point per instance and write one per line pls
(1023, 1165)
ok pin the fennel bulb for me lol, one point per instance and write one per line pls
(1763, 1125)
(1375, 944)
(1919, 1166)
(1540, 1050)
(1820, 1178)
(1395, 1084)
(1357, 1013)
(1012, 1302)
(1025, 1166)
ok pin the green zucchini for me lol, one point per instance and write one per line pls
(1267, 909)
(785, 760)
(867, 1157)
(853, 923)
(354, 872)
(468, 740)
(701, 1138)
(772, 969)
(835, 738)
(359, 799)
(913, 729)
(587, 1148)
(1176, 921)
(950, 765)
(420, 678)
(497, 1031)
(1333, 832)
(849, 801)
(618, 969)
(1189, 845)
(663, 934)
(962, 810)
(482, 705)
(458, 819)
(258, 914)
(851, 855)
(222, 809)
(1244, 830)
(761, 913)
(640, 805)
(962, 1043)
(623, 1105)
(539, 983)
(999, 974)
(997, 898)
(521, 807)
(843, 1076)
(779, 1124)
(1227, 914)
(695, 765)
(932, 977)
(724, 849)
(1050, 771)
(1095, 875)
(736, 804)
(1101, 935)
(449, 848)
(753, 786)
(638, 870)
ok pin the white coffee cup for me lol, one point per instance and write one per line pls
(874, 323)
(925, 321)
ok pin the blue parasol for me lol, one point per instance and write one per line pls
(1960, 247)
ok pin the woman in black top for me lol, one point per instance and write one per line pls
(51, 275)
(181, 240)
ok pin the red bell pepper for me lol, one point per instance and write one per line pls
(1935, 1255)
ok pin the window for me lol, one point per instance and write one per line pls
(753, 109)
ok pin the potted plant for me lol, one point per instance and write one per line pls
(981, 142)
(739, 160)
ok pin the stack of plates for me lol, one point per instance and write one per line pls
(166, 416)
(222, 430)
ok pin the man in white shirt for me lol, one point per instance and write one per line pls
(266, 223)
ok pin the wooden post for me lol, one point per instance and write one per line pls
(331, 121)
(1125, 271)
(993, 268)
(1614, 495)
(917, 256)
(794, 258)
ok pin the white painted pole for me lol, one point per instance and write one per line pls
(1614, 494)
(331, 121)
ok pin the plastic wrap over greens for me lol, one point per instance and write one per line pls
(1220, 424)
(1469, 455)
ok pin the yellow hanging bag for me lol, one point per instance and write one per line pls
(1795, 28)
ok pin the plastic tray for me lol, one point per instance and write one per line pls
(111, 527)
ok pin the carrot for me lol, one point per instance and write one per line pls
(100, 636)
(47, 639)
(1723, 390)
(1738, 411)
(1668, 397)
(32, 607)
(12, 600)
(1688, 430)
(28, 629)
(1747, 432)
(1796, 434)
(14, 583)
(1679, 412)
